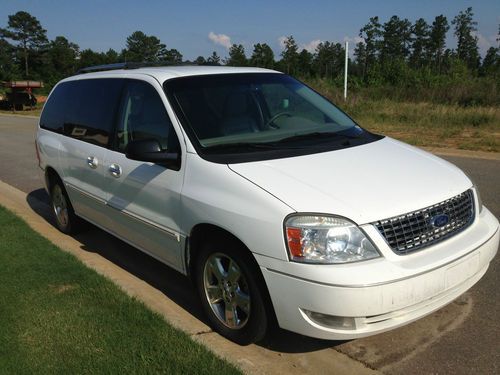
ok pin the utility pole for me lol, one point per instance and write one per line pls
(345, 69)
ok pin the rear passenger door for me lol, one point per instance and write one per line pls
(143, 199)
(90, 111)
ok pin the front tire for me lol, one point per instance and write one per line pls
(230, 291)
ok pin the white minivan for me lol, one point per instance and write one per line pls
(276, 203)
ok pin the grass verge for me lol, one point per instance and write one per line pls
(58, 316)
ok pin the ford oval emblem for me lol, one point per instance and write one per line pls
(439, 221)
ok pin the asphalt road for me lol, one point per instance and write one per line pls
(461, 338)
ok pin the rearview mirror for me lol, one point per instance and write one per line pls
(150, 150)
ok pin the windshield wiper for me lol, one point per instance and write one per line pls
(326, 136)
(249, 146)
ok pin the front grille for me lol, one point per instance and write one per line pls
(419, 229)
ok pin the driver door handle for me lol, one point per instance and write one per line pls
(115, 170)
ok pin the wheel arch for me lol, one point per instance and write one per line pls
(51, 176)
(210, 232)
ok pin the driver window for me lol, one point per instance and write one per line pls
(143, 116)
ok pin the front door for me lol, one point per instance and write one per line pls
(143, 199)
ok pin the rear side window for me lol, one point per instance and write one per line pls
(54, 110)
(84, 109)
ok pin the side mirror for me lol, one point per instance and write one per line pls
(150, 150)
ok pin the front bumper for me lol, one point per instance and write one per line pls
(398, 293)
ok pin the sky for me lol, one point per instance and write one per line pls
(197, 28)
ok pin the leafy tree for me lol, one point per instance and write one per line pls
(237, 56)
(8, 67)
(144, 48)
(90, 58)
(491, 62)
(172, 56)
(27, 32)
(262, 56)
(213, 59)
(200, 60)
(420, 46)
(111, 56)
(467, 49)
(62, 56)
(290, 55)
(437, 40)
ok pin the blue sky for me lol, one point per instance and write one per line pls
(200, 27)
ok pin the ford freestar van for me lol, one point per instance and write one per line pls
(276, 203)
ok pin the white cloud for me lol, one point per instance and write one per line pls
(220, 39)
(483, 43)
(281, 42)
(311, 46)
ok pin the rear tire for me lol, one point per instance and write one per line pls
(230, 291)
(66, 220)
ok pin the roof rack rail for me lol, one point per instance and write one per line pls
(100, 68)
(127, 65)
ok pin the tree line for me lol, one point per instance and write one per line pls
(394, 52)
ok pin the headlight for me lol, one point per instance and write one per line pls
(326, 239)
(479, 200)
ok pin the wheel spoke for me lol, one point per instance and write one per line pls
(233, 272)
(231, 315)
(242, 300)
(217, 268)
(214, 293)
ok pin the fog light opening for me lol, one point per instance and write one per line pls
(331, 321)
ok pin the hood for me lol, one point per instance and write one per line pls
(365, 183)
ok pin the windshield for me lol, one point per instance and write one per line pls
(257, 112)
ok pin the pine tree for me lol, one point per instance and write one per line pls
(29, 34)
(290, 55)
(262, 56)
(213, 59)
(396, 39)
(371, 34)
(237, 56)
(437, 40)
(420, 46)
(467, 48)
(329, 59)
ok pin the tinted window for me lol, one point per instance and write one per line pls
(84, 109)
(91, 109)
(143, 116)
(232, 118)
(53, 112)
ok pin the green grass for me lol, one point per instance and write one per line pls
(58, 316)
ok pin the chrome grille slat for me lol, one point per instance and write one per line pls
(414, 231)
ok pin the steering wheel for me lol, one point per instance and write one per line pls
(275, 117)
